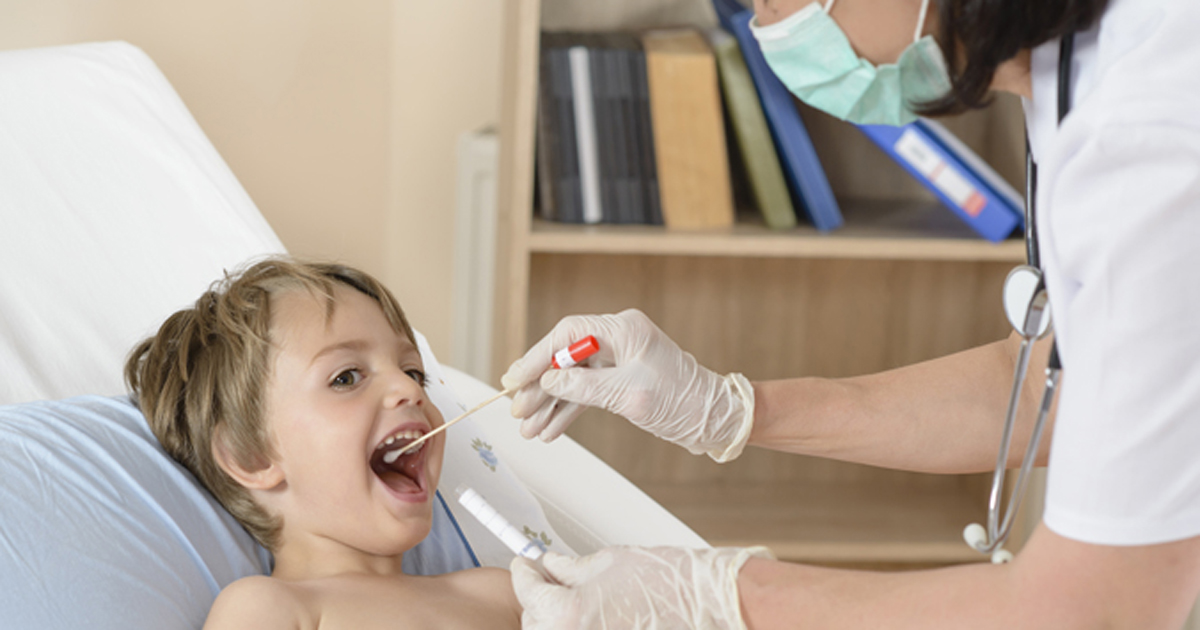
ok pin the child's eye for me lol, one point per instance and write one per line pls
(347, 378)
(417, 375)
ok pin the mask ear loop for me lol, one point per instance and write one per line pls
(920, 20)
(829, 6)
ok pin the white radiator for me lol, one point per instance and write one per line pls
(474, 253)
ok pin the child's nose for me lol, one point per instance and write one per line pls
(403, 390)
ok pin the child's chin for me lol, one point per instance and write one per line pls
(415, 531)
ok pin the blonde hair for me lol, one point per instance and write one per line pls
(202, 376)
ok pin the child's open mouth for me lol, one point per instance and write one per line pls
(405, 475)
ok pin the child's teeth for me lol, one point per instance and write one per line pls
(403, 435)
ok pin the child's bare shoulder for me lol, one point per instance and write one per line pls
(260, 602)
(486, 578)
(480, 576)
(490, 583)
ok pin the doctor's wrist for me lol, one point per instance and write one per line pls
(737, 423)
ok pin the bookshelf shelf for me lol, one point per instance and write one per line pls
(903, 281)
(878, 231)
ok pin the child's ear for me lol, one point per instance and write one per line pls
(263, 475)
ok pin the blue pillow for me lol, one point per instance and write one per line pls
(102, 529)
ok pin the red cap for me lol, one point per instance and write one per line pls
(576, 353)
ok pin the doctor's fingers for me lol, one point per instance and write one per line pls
(529, 400)
(551, 420)
(566, 332)
(558, 421)
(534, 403)
(560, 570)
(619, 336)
(555, 400)
(566, 393)
(545, 604)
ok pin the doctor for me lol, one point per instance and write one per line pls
(1118, 231)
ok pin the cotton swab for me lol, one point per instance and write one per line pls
(570, 356)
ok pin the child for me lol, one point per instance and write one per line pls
(281, 390)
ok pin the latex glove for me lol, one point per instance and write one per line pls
(633, 588)
(639, 373)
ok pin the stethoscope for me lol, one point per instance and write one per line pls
(1027, 307)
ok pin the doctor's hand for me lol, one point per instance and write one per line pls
(639, 373)
(633, 588)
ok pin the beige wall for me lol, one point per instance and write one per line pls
(446, 81)
(340, 117)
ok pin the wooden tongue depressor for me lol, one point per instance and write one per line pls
(570, 356)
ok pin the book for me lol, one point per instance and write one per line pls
(809, 186)
(621, 51)
(579, 60)
(610, 136)
(757, 150)
(643, 137)
(960, 179)
(559, 193)
(688, 129)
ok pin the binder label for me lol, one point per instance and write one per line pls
(917, 152)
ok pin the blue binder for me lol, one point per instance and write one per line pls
(959, 178)
(809, 187)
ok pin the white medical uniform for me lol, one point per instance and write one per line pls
(1119, 226)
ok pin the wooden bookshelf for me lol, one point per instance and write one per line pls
(903, 281)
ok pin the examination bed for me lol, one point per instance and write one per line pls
(116, 210)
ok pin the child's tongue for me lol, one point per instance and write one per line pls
(400, 482)
(402, 474)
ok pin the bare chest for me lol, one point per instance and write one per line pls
(408, 604)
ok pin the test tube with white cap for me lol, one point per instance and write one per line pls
(512, 537)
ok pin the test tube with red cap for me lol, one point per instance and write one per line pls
(575, 353)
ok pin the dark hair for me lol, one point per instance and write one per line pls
(976, 36)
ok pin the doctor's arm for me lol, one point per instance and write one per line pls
(944, 415)
(1055, 583)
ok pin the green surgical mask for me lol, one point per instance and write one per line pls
(813, 58)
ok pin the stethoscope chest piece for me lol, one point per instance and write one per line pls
(1027, 306)
(1027, 311)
